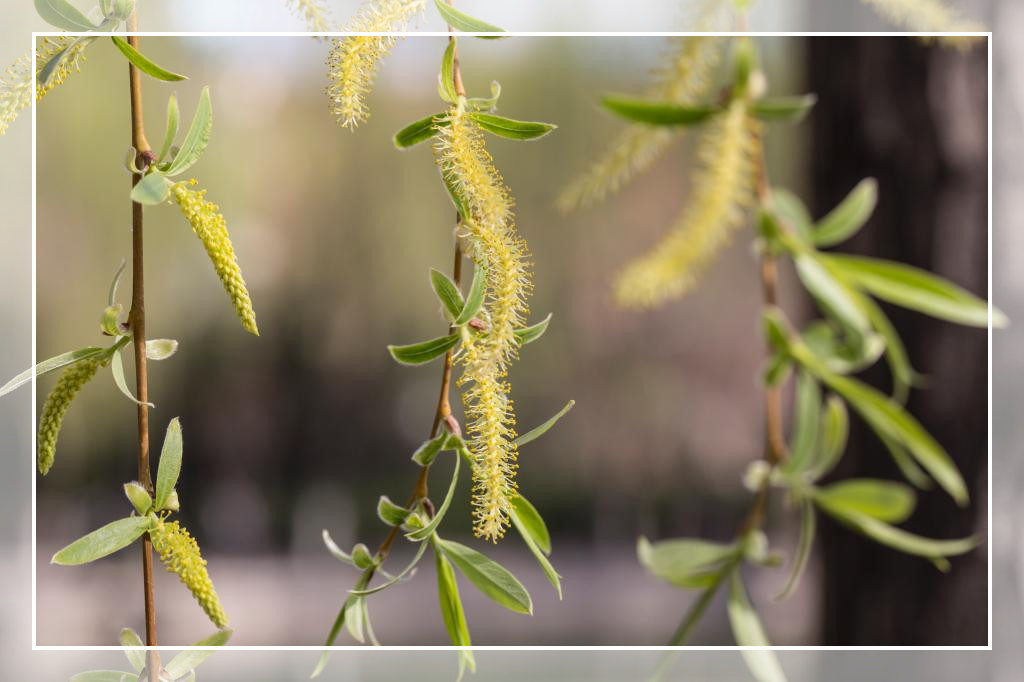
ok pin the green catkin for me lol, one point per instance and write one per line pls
(211, 228)
(179, 552)
(70, 382)
(491, 241)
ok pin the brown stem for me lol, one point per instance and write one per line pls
(137, 321)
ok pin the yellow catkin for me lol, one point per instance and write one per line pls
(211, 228)
(491, 241)
(723, 187)
(50, 47)
(353, 60)
(15, 91)
(70, 382)
(684, 77)
(179, 552)
(927, 16)
(313, 12)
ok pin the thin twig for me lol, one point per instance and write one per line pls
(137, 321)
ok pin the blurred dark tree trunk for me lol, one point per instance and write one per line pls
(915, 117)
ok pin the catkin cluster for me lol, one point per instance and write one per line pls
(70, 382)
(924, 15)
(70, 63)
(179, 552)
(211, 228)
(493, 244)
(722, 188)
(353, 60)
(684, 77)
(15, 91)
(313, 12)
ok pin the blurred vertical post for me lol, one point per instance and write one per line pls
(914, 116)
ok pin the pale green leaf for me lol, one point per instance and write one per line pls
(530, 537)
(189, 660)
(143, 63)
(535, 433)
(397, 578)
(511, 128)
(532, 522)
(657, 113)
(461, 21)
(686, 562)
(784, 109)
(389, 512)
(117, 369)
(428, 530)
(426, 453)
(532, 333)
(748, 631)
(130, 639)
(806, 422)
(171, 129)
(447, 293)
(884, 500)
(808, 523)
(448, 74)
(103, 541)
(52, 365)
(169, 467)
(418, 131)
(849, 216)
(834, 429)
(490, 577)
(152, 189)
(336, 551)
(196, 139)
(421, 353)
(161, 349)
(63, 15)
(475, 297)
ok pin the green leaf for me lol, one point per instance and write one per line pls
(491, 578)
(529, 533)
(486, 103)
(806, 422)
(103, 541)
(336, 551)
(144, 64)
(189, 660)
(339, 622)
(748, 631)
(475, 298)
(104, 676)
(171, 129)
(170, 463)
(539, 431)
(361, 556)
(391, 513)
(428, 530)
(426, 453)
(808, 522)
(657, 113)
(112, 291)
(396, 579)
(833, 295)
(458, 201)
(152, 189)
(903, 374)
(161, 349)
(110, 318)
(784, 109)
(834, 429)
(421, 353)
(792, 211)
(63, 15)
(846, 219)
(888, 418)
(917, 289)
(48, 69)
(130, 639)
(52, 365)
(447, 82)
(138, 496)
(451, 610)
(461, 21)
(511, 128)
(530, 334)
(896, 538)
(532, 523)
(910, 469)
(418, 131)
(197, 137)
(447, 292)
(117, 369)
(686, 562)
(838, 352)
(356, 618)
(883, 500)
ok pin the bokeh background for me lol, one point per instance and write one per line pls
(303, 428)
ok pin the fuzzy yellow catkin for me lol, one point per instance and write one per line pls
(927, 16)
(211, 228)
(313, 12)
(70, 382)
(723, 187)
(492, 242)
(353, 60)
(49, 48)
(684, 77)
(179, 552)
(15, 91)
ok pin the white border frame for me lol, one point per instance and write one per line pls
(531, 34)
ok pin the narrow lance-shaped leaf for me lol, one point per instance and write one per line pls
(532, 333)
(410, 567)
(171, 129)
(143, 63)
(687, 562)
(197, 137)
(529, 536)
(117, 369)
(806, 416)
(491, 578)
(808, 525)
(658, 113)
(152, 189)
(170, 463)
(52, 365)
(417, 131)
(887, 501)
(188, 660)
(846, 219)
(511, 128)
(461, 21)
(133, 649)
(428, 530)
(448, 73)
(539, 431)
(835, 426)
(447, 293)
(103, 541)
(475, 297)
(784, 109)
(533, 523)
(451, 610)
(748, 631)
(64, 15)
(420, 353)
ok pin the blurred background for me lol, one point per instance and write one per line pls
(303, 428)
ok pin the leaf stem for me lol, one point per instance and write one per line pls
(137, 320)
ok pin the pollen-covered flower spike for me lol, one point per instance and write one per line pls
(179, 552)
(491, 241)
(313, 12)
(70, 382)
(723, 187)
(71, 62)
(211, 228)
(353, 60)
(15, 91)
